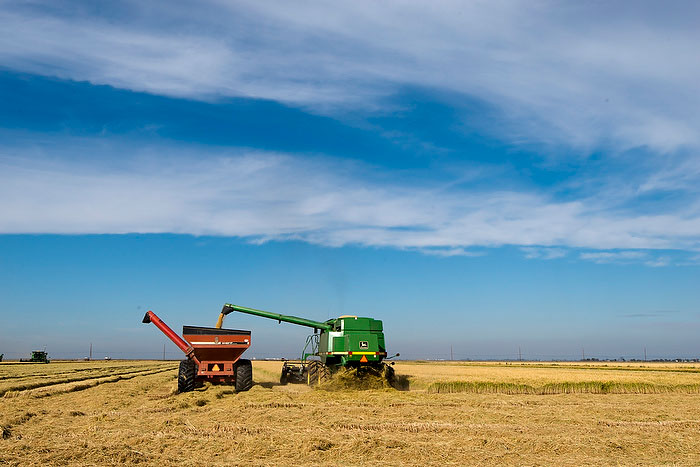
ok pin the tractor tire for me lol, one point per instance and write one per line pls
(311, 373)
(186, 376)
(325, 372)
(316, 373)
(244, 375)
(283, 378)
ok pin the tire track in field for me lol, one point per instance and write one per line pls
(62, 378)
(21, 388)
(47, 391)
(6, 429)
(87, 384)
(63, 373)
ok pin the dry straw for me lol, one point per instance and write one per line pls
(579, 387)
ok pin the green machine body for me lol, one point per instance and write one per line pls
(339, 342)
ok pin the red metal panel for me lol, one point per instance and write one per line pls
(208, 348)
(224, 348)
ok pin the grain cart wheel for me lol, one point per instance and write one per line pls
(186, 376)
(244, 375)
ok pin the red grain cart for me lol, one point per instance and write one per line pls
(213, 354)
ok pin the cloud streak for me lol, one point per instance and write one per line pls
(266, 196)
(578, 78)
(615, 257)
(543, 253)
(579, 75)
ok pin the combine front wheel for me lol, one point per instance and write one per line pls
(316, 373)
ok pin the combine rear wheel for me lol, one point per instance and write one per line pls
(244, 375)
(186, 376)
(316, 373)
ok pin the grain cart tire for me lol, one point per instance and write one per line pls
(186, 376)
(244, 375)
(283, 378)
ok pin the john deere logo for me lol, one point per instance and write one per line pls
(364, 345)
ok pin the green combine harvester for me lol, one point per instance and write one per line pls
(346, 342)
(38, 356)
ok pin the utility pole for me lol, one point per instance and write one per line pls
(163, 351)
(645, 354)
(451, 354)
(90, 358)
(520, 354)
(583, 354)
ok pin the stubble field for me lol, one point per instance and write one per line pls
(454, 413)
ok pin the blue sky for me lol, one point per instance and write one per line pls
(523, 174)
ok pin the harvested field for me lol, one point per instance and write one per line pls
(454, 413)
(38, 379)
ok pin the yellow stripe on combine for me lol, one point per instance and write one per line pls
(354, 353)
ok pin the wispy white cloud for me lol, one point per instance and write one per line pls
(584, 74)
(543, 253)
(267, 196)
(673, 174)
(448, 252)
(661, 261)
(580, 76)
(614, 256)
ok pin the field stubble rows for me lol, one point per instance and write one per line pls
(136, 416)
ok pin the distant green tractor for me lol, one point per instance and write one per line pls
(344, 342)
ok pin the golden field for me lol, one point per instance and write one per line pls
(103, 413)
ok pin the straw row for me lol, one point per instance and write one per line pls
(581, 387)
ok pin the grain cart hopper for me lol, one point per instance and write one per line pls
(213, 354)
(344, 342)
